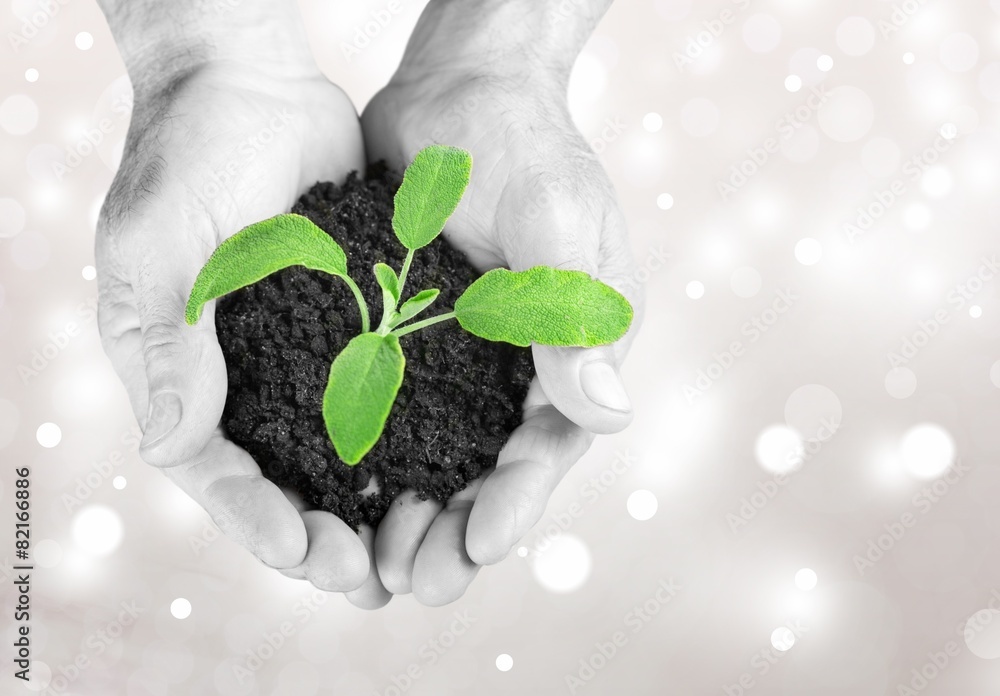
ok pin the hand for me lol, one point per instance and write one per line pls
(538, 195)
(213, 146)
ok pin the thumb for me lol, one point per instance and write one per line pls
(185, 372)
(550, 225)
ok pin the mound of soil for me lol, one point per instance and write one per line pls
(461, 396)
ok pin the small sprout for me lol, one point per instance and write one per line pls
(540, 305)
(415, 305)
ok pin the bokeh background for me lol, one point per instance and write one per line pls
(806, 502)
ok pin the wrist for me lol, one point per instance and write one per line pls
(162, 42)
(531, 40)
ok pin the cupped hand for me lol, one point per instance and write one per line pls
(211, 149)
(538, 195)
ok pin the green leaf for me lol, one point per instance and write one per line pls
(388, 281)
(432, 186)
(415, 305)
(543, 305)
(364, 380)
(259, 250)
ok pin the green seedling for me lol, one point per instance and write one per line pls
(540, 305)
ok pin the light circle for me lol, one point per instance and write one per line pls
(48, 435)
(806, 579)
(180, 608)
(84, 41)
(855, 36)
(808, 251)
(12, 217)
(642, 505)
(47, 553)
(900, 383)
(761, 33)
(745, 282)
(97, 530)
(504, 662)
(927, 451)
(847, 115)
(782, 639)
(695, 289)
(982, 634)
(18, 114)
(779, 449)
(564, 566)
(959, 52)
(652, 122)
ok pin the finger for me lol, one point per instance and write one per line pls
(548, 223)
(179, 394)
(442, 570)
(399, 536)
(336, 560)
(245, 506)
(372, 593)
(531, 465)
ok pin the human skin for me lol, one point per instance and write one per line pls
(205, 84)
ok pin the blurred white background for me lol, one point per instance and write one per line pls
(807, 500)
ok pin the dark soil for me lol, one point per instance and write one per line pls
(461, 396)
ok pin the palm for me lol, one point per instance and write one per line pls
(537, 196)
(226, 147)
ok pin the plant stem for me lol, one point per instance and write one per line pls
(404, 271)
(362, 305)
(417, 325)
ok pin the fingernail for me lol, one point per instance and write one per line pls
(164, 415)
(604, 387)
